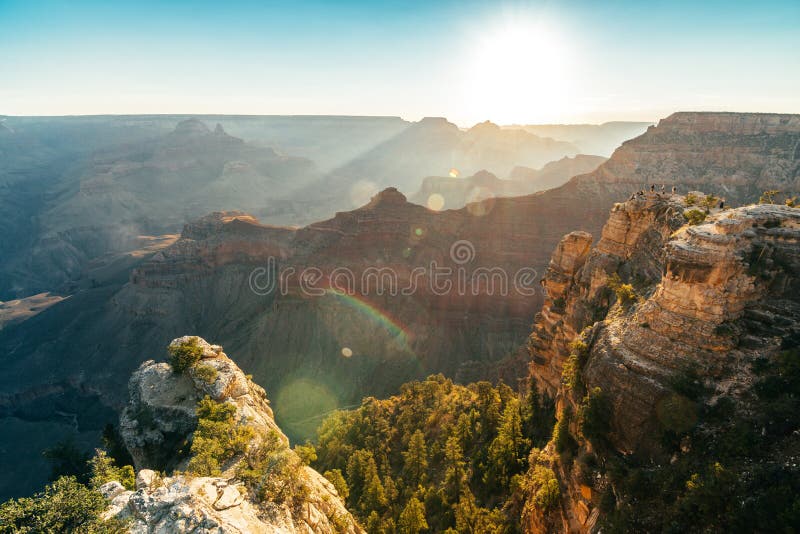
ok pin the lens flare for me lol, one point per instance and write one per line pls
(454, 173)
(436, 202)
(347, 352)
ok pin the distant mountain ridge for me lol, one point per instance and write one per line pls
(457, 191)
(70, 203)
(599, 139)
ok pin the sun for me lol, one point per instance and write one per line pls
(518, 71)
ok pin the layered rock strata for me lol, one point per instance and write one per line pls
(712, 297)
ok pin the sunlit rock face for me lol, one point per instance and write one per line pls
(157, 426)
(713, 297)
(734, 155)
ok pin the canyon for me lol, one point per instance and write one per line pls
(74, 357)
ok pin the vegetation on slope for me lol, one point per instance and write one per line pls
(438, 456)
(67, 505)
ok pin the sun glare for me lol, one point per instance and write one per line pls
(518, 71)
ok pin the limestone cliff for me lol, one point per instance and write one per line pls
(158, 426)
(710, 300)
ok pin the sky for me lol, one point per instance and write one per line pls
(505, 61)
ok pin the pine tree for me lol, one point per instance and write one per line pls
(412, 520)
(455, 475)
(416, 460)
(374, 497)
(466, 513)
(537, 415)
(507, 451)
(335, 477)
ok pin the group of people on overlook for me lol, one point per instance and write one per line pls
(641, 195)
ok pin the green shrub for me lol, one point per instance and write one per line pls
(571, 372)
(205, 372)
(185, 355)
(562, 438)
(306, 452)
(691, 199)
(66, 459)
(594, 416)
(63, 506)
(103, 470)
(543, 485)
(218, 437)
(694, 217)
(625, 293)
(709, 201)
(271, 473)
(335, 477)
(768, 197)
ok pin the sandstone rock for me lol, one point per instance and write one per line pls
(717, 295)
(111, 489)
(160, 419)
(231, 496)
(161, 410)
(576, 280)
(145, 478)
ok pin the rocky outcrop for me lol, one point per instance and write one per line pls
(712, 298)
(734, 155)
(157, 427)
(576, 282)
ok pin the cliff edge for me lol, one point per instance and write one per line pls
(657, 345)
(209, 456)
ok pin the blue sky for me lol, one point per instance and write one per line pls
(508, 62)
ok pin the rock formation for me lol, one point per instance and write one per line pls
(711, 298)
(159, 422)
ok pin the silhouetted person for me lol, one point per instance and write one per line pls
(663, 188)
(674, 189)
(652, 188)
(722, 204)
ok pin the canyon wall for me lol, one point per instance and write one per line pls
(710, 300)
